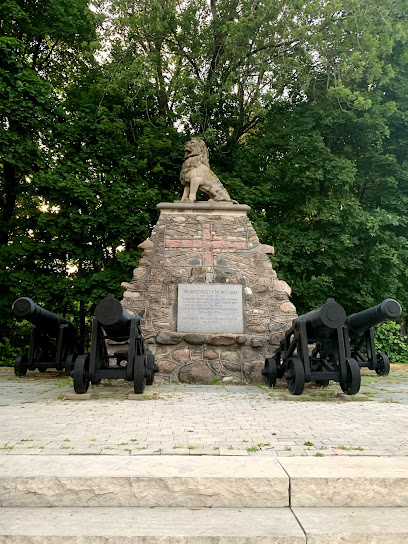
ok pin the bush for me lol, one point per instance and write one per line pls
(390, 341)
(8, 353)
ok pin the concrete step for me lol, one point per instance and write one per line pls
(347, 481)
(203, 526)
(149, 526)
(219, 482)
(354, 525)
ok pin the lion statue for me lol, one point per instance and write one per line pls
(196, 174)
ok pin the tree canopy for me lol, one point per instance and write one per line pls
(303, 105)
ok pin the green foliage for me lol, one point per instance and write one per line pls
(390, 341)
(8, 353)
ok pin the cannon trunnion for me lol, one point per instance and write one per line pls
(132, 363)
(359, 335)
(53, 342)
(321, 332)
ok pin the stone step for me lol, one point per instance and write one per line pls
(347, 481)
(149, 526)
(125, 525)
(218, 482)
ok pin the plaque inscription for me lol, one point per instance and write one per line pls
(210, 308)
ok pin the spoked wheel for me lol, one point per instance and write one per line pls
(81, 374)
(322, 383)
(384, 368)
(295, 376)
(139, 378)
(151, 368)
(21, 365)
(353, 381)
(270, 372)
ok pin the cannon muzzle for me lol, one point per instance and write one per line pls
(321, 322)
(389, 309)
(25, 308)
(113, 317)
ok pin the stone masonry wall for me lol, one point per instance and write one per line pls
(208, 242)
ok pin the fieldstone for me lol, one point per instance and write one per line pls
(167, 367)
(257, 342)
(228, 379)
(144, 262)
(253, 371)
(276, 337)
(197, 271)
(168, 338)
(194, 261)
(288, 308)
(147, 244)
(257, 328)
(196, 373)
(259, 288)
(210, 354)
(181, 355)
(139, 273)
(278, 327)
(221, 340)
(240, 340)
(196, 339)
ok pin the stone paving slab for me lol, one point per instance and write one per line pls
(149, 526)
(200, 420)
(347, 481)
(354, 525)
(218, 482)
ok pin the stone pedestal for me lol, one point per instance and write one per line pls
(208, 243)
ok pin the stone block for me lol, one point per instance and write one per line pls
(354, 525)
(196, 372)
(221, 340)
(168, 338)
(348, 481)
(210, 354)
(181, 355)
(195, 339)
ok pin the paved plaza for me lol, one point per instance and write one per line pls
(220, 420)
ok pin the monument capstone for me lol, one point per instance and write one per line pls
(210, 302)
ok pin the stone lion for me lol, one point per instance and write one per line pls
(196, 174)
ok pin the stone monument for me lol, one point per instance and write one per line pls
(210, 302)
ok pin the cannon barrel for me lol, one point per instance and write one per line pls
(321, 322)
(113, 317)
(389, 309)
(25, 308)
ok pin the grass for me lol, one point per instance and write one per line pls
(318, 454)
(253, 448)
(308, 443)
(192, 447)
(288, 448)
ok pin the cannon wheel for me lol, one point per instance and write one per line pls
(69, 364)
(295, 376)
(150, 369)
(21, 365)
(384, 365)
(81, 374)
(139, 378)
(270, 372)
(353, 381)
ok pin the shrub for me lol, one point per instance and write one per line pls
(8, 353)
(390, 341)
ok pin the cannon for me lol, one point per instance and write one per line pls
(313, 349)
(53, 342)
(359, 335)
(134, 363)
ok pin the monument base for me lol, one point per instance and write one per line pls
(203, 244)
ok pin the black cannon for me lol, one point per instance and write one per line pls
(359, 335)
(53, 341)
(322, 329)
(134, 363)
